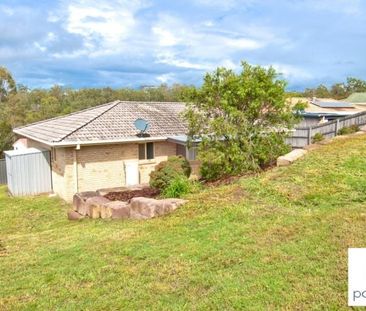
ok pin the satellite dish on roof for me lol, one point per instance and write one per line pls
(143, 126)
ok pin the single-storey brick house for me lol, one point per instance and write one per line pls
(100, 147)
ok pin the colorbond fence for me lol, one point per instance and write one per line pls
(302, 136)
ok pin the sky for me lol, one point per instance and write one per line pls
(130, 43)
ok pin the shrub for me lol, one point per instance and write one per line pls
(180, 162)
(349, 129)
(242, 120)
(179, 186)
(166, 171)
(225, 158)
(317, 138)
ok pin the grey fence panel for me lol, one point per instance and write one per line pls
(302, 136)
(3, 177)
(328, 130)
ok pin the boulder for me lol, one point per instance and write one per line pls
(105, 212)
(291, 157)
(115, 210)
(143, 206)
(72, 215)
(148, 208)
(104, 191)
(79, 201)
(166, 206)
(176, 202)
(94, 206)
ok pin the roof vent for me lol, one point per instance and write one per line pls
(143, 126)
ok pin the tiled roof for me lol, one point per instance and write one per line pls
(109, 122)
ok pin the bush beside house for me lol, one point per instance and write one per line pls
(165, 172)
(171, 177)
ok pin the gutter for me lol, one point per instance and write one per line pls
(94, 142)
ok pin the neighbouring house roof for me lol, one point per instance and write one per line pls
(325, 106)
(330, 103)
(357, 98)
(112, 122)
(339, 114)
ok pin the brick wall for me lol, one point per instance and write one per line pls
(62, 172)
(102, 166)
(99, 166)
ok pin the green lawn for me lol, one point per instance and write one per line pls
(276, 241)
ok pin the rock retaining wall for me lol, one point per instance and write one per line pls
(90, 204)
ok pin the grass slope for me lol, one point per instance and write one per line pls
(275, 241)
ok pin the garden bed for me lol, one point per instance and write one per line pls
(127, 195)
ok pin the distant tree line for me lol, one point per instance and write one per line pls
(337, 90)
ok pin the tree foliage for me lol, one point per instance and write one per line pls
(7, 84)
(337, 90)
(242, 120)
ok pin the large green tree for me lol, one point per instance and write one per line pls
(242, 120)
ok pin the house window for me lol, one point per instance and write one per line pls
(146, 151)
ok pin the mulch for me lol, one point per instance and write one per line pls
(228, 180)
(127, 195)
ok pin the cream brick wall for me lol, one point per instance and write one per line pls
(99, 166)
(103, 166)
(63, 181)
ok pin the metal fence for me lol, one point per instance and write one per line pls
(3, 178)
(28, 171)
(303, 136)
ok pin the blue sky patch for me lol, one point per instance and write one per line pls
(121, 43)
